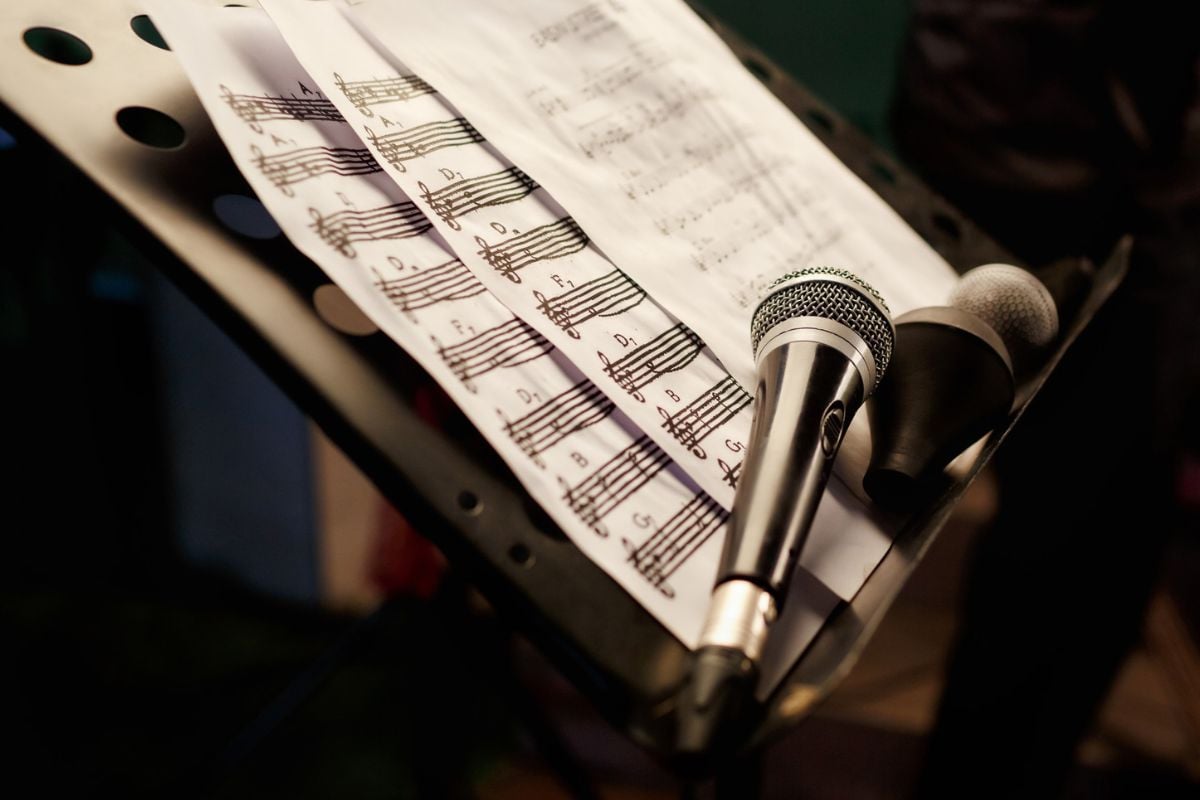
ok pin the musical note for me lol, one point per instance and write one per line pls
(294, 166)
(730, 474)
(255, 108)
(675, 541)
(505, 345)
(342, 228)
(671, 350)
(440, 284)
(708, 412)
(385, 90)
(571, 411)
(410, 143)
(462, 197)
(615, 481)
(554, 240)
(606, 296)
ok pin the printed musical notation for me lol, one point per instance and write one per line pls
(364, 94)
(285, 169)
(614, 482)
(579, 407)
(440, 284)
(708, 412)
(341, 229)
(670, 104)
(462, 197)
(675, 541)
(410, 143)
(730, 474)
(671, 350)
(554, 240)
(256, 108)
(505, 345)
(586, 22)
(606, 296)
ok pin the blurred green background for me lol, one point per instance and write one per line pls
(845, 52)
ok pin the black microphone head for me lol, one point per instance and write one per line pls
(835, 295)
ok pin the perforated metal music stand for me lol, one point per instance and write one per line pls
(359, 388)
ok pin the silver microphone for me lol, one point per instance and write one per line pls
(822, 340)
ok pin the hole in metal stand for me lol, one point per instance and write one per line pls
(883, 172)
(58, 46)
(150, 127)
(146, 31)
(820, 119)
(521, 554)
(469, 502)
(947, 225)
(759, 69)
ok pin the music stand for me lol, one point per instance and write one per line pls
(359, 388)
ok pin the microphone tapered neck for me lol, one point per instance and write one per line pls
(807, 394)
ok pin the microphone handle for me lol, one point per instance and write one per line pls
(807, 393)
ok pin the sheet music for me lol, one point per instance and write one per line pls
(526, 249)
(696, 181)
(656, 368)
(611, 488)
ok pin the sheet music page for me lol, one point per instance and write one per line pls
(653, 367)
(613, 491)
(528, 251)
(695, 180)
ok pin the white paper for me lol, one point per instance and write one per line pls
(609, 488)
(702, 411)
(528, 251)
(615, 493)
(682, 167)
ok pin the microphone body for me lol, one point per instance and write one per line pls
(952, 380)
(807, 392)
(822, 340)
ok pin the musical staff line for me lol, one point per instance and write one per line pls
(410, 143)
(256, 108)
(505, 345)
(671, 350)
(465, 196)
(363, 94)
(707, 413)
(614, 482)
(675, 541)
(606, 296)
(555, 240)
(439, 284)
(294, 166)
(341, 229)
(579, 407)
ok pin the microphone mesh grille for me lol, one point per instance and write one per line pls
(833, 300)
(1014, 302)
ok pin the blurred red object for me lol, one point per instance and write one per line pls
(1187, 483)
(405, 562)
